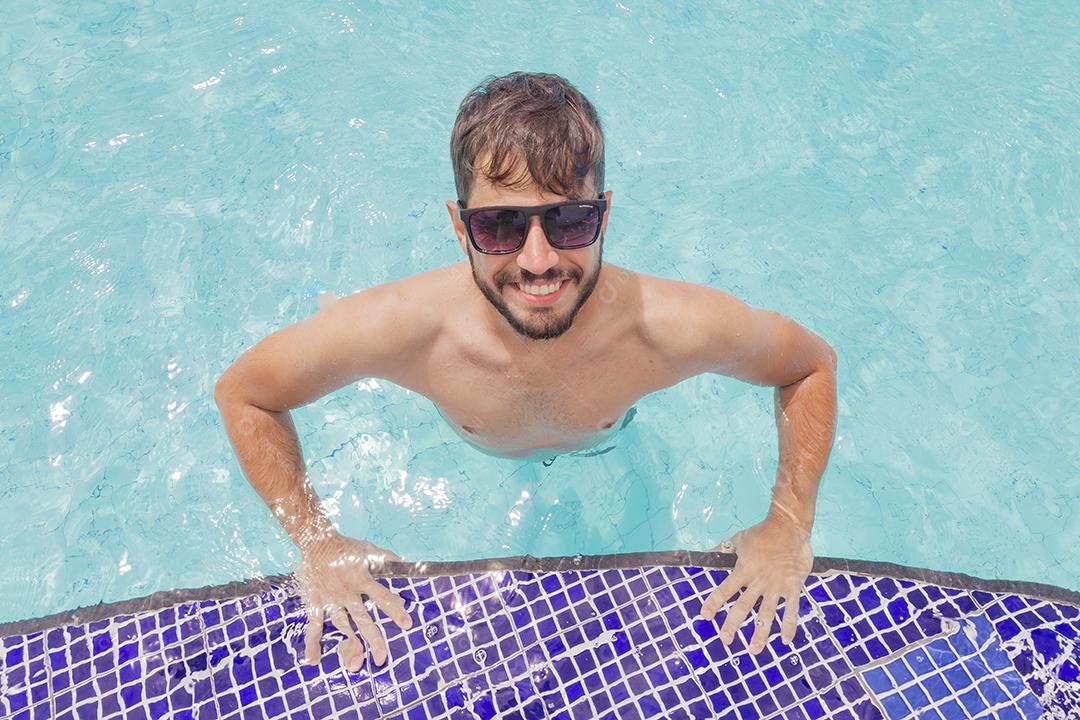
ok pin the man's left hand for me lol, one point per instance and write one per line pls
(774, 560)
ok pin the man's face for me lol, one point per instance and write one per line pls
(501, 277)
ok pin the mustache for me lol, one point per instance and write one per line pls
(535, 279)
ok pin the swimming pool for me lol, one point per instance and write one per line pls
(179, 180)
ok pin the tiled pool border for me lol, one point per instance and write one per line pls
(612, 637)
(822, 566)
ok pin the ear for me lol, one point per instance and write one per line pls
(459, 227)
(607, 215)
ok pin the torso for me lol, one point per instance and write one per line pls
(538, 398)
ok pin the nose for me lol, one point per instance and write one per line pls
(537, 256)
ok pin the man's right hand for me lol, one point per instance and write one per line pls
(334, 575)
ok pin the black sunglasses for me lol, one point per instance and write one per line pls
(502, 229)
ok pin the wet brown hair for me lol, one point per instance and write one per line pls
(536, 117)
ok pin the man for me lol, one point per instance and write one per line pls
(533, 346)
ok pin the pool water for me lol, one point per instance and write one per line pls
(180, 179)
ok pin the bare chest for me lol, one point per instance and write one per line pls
(528, 405)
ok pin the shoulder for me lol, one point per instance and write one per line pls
(694, 326)
(426, 288)
(670, 308)
(700, 329)
(654, 303)
(408, 312)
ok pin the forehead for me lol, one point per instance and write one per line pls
(483, 192)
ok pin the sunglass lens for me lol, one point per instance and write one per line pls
(572, 226)
(498, 230)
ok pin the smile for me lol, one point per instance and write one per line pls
(540, 294)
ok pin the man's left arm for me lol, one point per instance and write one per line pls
(721, 334)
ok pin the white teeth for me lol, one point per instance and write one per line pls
(541, 289)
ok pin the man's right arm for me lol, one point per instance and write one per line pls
(378, 332)
(372, 333)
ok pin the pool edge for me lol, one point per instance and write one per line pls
(528, 563)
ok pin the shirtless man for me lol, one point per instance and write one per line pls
(531, 347)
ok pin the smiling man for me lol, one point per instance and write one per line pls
(532, 347)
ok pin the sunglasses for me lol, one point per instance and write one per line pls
(568, 225)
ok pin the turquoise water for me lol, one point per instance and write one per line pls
(177, 180)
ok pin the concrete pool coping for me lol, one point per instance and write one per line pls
(527, 563)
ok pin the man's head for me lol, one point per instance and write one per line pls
(528, 139)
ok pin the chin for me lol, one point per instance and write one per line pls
(534, 328)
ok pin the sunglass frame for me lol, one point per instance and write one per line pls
(600, 203)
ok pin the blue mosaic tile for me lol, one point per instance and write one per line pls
(966, 672)
(733, 677)
(1041, 639)
(872, 618)
(25, 689)
(589, 643)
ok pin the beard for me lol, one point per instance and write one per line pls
(544, 323)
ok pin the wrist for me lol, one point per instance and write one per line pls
(790, 507)
(314, 540)
(792, 523)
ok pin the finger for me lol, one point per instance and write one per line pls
(737, 615)
(370, 631)
(790, 621)
(351, 653)
(390, 603)
(720, 596)
(350, 650)
(763, 623)
(313, 636)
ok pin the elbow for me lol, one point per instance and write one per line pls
(223, 390)
(826, 359)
